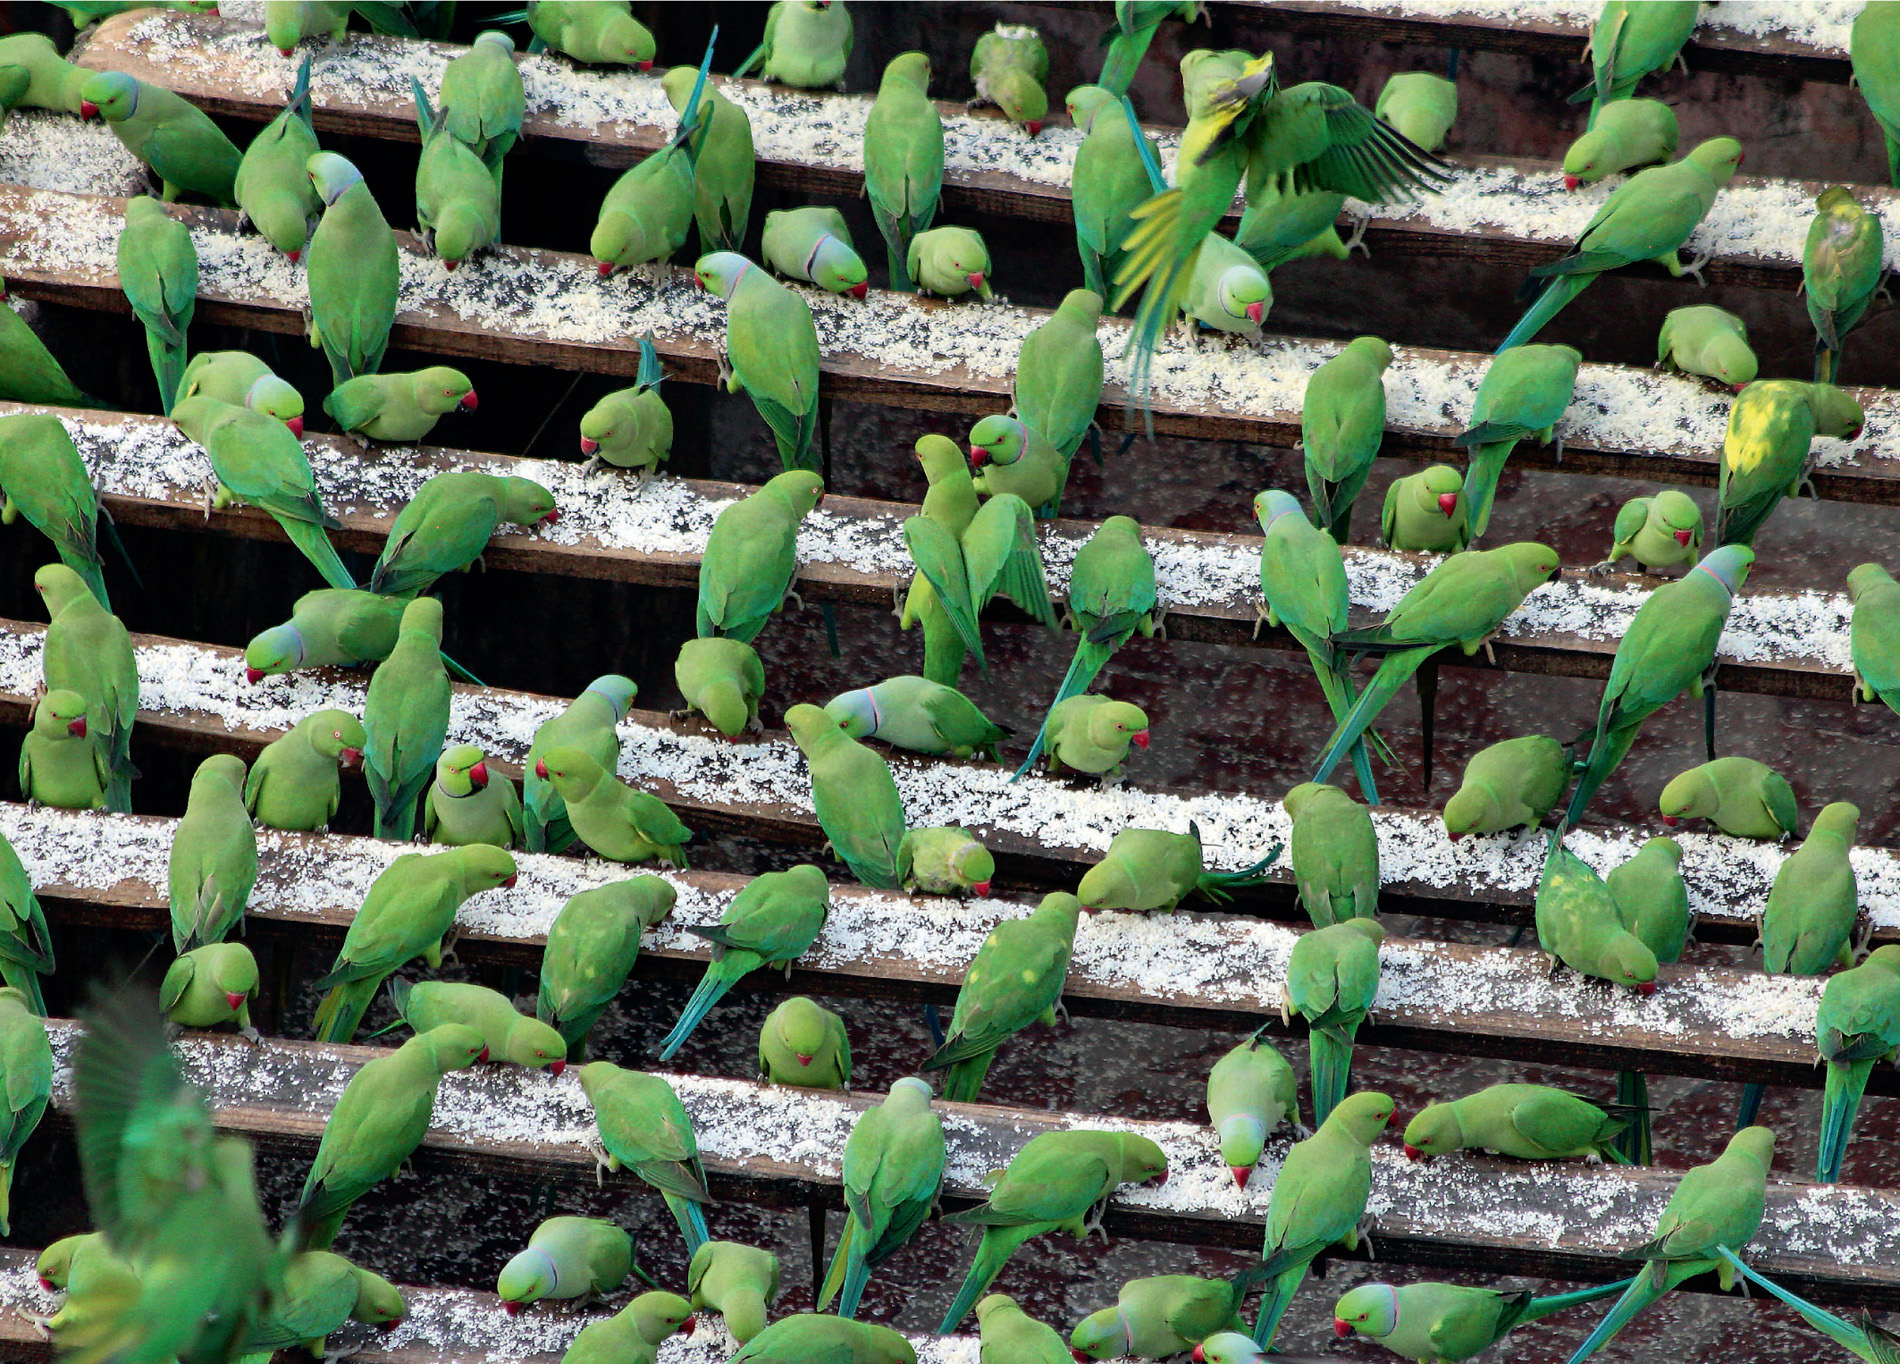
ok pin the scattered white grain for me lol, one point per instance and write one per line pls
(42, 149)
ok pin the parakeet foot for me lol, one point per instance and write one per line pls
(798, 602)
(1357, 241)
(39, 1323)
(755, 726)
(251, 1035)
(1601, 568)
(1092, 1224)
(602, 1161)
(1694, 269)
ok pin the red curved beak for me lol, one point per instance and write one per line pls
(470, 402)
(253, 675)
(1448, 503)
(979, 456)
(87, 109)
(1162, 1178)
(1139, 739)
(1241, 1174)
(646, 65)
(1080, 1356)
(556, 1067)
(294, 256)
(1199, 1356)
(803, 1059)
(554, 514)
(1257, 312)
(1647, 987)
(1671, 820)
(285, 51)
(979, 888)
(1340, 1328)
(296, 426)
(509, 884)
(1571, 182)
(389, 1325)
(1413, 1153)
(509, 1307)
(1854, 434)
(589, 446)
(482, 1059)
(606, 268)
(686, 1327)
(698, 283)
(448, 264)
(859, 290)
(46, 1285)
(541, 768)
(1682, 538)
(350, 757)
(233, 999)
(1034, 125)
(1454, 837)
(976, 279)
(479, 775)
(77, 728)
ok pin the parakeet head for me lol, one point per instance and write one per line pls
(1142, 1160)
(940, 457)
(1270, 505)
(461, 229)
(378, 1301)
(495, 38)
(1679, 515)
(61, 713)
(958, 251)
(1361, 1116)
(60, 587)
(1756, 1144)
(1471, 806)
(808, 880)
(276, 398)
(1836, 413)
(111, 95)
(628, 38)
(802, 1027)
(462, 770)
(1728, 565)
(1296, 801)
(994, 1303)
(1839, 819)
(1242, 1138)
(423, 616)
(219, 773)
(56, 1261)
(1228, 1347)
(836, 267)
(279, 649)
(908, 68)
(527, 1278)
(522, 500)
(1887, 958)
(1372, 349)
(439, 389)
(534, 1045)
(1530, 564)
(1109, 884)
(1627, 961)
(1021, 97)
(799, 489)
(570, 770)
(1116, 724)
(914, 1087)
(720, 272)
(332, 175)
(1729, 356)
(484, 866)
(233, 971)
(450, 1046)
(1442, 485)
(972, 864)
(1372, 1309)
(1689, 795)
(854, 711)
(1721, 157)
(658, 1315)
(616, 691)
(1433, 1132)
(1102, 1335)
(997, 439)
(621, 239)
(336, 734)
(1085, 101)
(1582, 159)
(1867, 578)
(1243, 291)
(724, 706)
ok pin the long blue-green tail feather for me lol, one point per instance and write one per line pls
(1640, 1294)
(1157, 182)
(1632, 1092)
(341, 1011)
(692, 1222)
(168, 368)
(1273, 1306)
(963, 1082)
(1605, 754)
(1745, 1111)
(1337, 687)
(1559, 1302)
(1840, 1101)
(314, 541)
(711, 988)
(1332, 1071)
(1843, 1333)
(1482, 470)
(1556, 295)
(1394, 670)
(992, 1253)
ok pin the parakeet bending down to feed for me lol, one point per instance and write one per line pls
(566, 1257)
(1443, 1322)
(1159, 1317)
(854, 795)
(186, 151)
(723, 680)
(1523, 393)
(1507, 786)
(1740, 796)
(919, 715)
(631, 428)
(771, 351)
(589, 724)
(213, 862)
(1250, 1092)
(1527, 1122)
(1709, 342)
(1627, 134)
(807, 43)
(1152, 869)
(1335, 854)
(1008, 67)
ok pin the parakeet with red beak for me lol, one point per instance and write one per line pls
(507, 1034)
(802, 1043)
(599, 32)
(400, 407)
(1008, 67)
(294, 784)
(467, 803)
(1427, 512)
(771, 352)
(566, 1258)
(1250, 1092)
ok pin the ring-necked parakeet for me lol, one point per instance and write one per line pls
(1659, 532)
(647, 212)
(1317, 1199)
(723, 680)
(213, 856)
(88, 651)
(353, 270)
(807, 43)
(26, 1083)
(919, 715)
(752, 556)
(1009, 1335)
(1419, 106)
(1841, 266)
(1743, 797)
(945, 861)
(1630, 41)
(1523, 393)
(1152, 869)
(949, 262)
(26, 947)
(644, 1128)
(1771, 427)
(1666, 649)
(1809, 916)
(1627, 134)
(330, 626)
(1228, 1347)
(469, 804)
(405, 719)
(43, 478)
(723, 167)
(1227, 292)
(185, 149)
(295, 782)
(1014, 980)
(633, 1335)
(1335, 854)
(1444, 1323)
(588, 724)
(1157, 1318)
(158, 270)
(408, 912)
(273, 186)
(1332, 975)
(803, 1338)
(1857, 1026)
(566, 1257)
(1091, 735)
(1008, 66)
(1650, 216)
(602, 34)
(738, 1281)
(893, 1168)
(855, 797)
(482, 99)
(458, 197)
(1707, 341)
(773, 921)
(1578, 924)
(631, 428)
(1109, 182)
(1427, 512)
(52, 81)
(813, 243)
(210, 986)
(1874, 634)
(289, 22)
(1873, 47)
(903, 159)
(447, 525)
(321, 1292)
(771, 351)
(399, 407)
(1013, 457)
(1651, 899)
(62, 763)
(1250, 1092)
(1865, 1339)
(591, 949)
(28, 371)
(1526, 1122)
(804, 1044)
(1342, 423)
(1282, 224)
(615, 820)
(1507, 785)
(1058, 1181)
(377, 1124)
(1058, 381)
(240, 378)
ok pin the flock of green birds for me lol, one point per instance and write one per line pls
(183, 1266)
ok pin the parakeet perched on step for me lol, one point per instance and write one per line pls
(1651, 899)
(52, 81)
(240, 378)
(186, 151)
(1008, 67)
(1664, 531)
(751, 556)
(723, 166)
(26, 946)
(43, 479)
(918, 715)
(405, 719)
(1335, 854)
(1627, 134)
(1874, 634)
(294, 783)
(1508, 785)
(1525, 1122)
(644, 1128)
(1578, 924)
(353, 271)
(1250, 1092)
(804, 1044)
(1158, 1318)
(467, 803)
(893, 1169)
(1152, 869)
(28, 371)
(158, 270)
(26, 1081)
(508, 1035)
(566, 1258)
(273, 186)
(1740, 796)
(89, 651)
(1809, 917)
(62, 762)
(949, 262)
(724, 681)
(738, 1281)
(1228, 291)
(447, 525)
(633, 1335)
(588, 724)
(482, 99)
(1332, 975)
(1091, 735)
(601, 34)
(771, 352)
(1707, 341)
(1012, 457)
(903, 160)
(1630, 41)
(1427, 512)
(1418, 106)
(1856, 1028)
(1010, 1335)
(1445, 1322)
(332, 626)
(1771, 429)
(210, 986)
(1841, 267)
(1014, 980)
(213, 862)
(399, 407)
(1342, 424)
(945, 861)
(1108, 183)
(591, 949)
(1523, 393)
(613, 819)
(631, 428)
(854, 795)
(458, 197)
(813, 243)
(807, 43)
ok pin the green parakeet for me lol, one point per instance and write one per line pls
(1335, 854)
(966, 555)
(1318, 1199)
(903, 159)
(1058, 382)
(591, 949)
(1427, 512)
(28, 371)
(633, 1334)
(43, 479)
(240, 378)
(1462, 601)
(482, 99)
(1056, 1182)
(62, 763)
(1227, 292)
(739, 1282)
(210, 986)
(1091, 735)
(1874, 634)
(405, 719)
(1228, 1347)
(1523, 393)
(1010, 1335)
(1111, 598)
(802, 1043)
(1625, 135)
(631, 428)
(1158, 1317)
(353, 271)
(1667, 648)
(289, 22)
(26, 1082)
(615, 820)
(408, 912)
(52, 81)
(321, 1292)
(1014, 457)
(447, 524)
(813, 243)
(214, 855)
(1771, 426)
(855, 797)
(647, 212)
(1508, 785)
(330, 626)
(918, 715)
(893, 1168)
(1008, 66)
(949, 262)
(1865, 1339)
(1419, 106)
(773, 921)
(945, 861)
(1579, 925)
(1651, 900)
(99, 1285)
(1525, 1122)
(1659, 532)
(1715, 1206)
(26, 947)
(1445, 1323)
(1250, 1092)
(603, 34)
(1630, 41)
(158, 270)
(644, 1128)
(458, 196)
(804, 1339)
(1857, 1026)
(88, 651)
(1743, 797)
(399, 407)
(295, 782)
(184, 148)
(1151, 869)
(807, 43)
(1650, 216)
(752, 556)
(1707, 341)
(1014, 980)
(1108, 183)
(1342, 423)
(1809, 916)
(1841, 266)
(723, 680)
(1332, 975)
(566, 1258)
(56, 1263)
(1873, 47)
(273, 186)
(723, 167)
(588, 724)
(468, 804)
(377, 1124)
(771, 351)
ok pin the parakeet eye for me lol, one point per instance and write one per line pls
(608, 432)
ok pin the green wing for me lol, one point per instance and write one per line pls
(1003, 556)
(940, 559)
